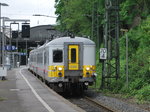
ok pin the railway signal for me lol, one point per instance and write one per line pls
(14, 34)
(25, 30)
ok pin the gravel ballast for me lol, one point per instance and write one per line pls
(114, 103)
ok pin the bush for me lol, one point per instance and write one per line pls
(143, 93)
(139, 64)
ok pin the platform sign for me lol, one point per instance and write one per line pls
(103, 53)
(10, 48)
(13, 48)
(23, 54)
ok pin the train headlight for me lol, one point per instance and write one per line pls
(59, 68)
(87, 68)
(60, 74)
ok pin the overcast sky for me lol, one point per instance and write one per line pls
(24, 9)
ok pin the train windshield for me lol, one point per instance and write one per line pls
(57, 56)
(73, 55)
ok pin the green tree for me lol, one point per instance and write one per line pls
(75, 15)
(133, 11)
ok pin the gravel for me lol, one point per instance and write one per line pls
(114, 103)
(86, 105)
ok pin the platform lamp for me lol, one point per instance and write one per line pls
(26, 36)
(127, 63)
(54, 17)
(44, 15)
(1, 4)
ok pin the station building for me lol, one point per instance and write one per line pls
(20, 47)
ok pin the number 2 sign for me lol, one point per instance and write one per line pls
(103, 53)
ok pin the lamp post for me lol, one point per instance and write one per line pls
(127, 63)
(1, 45)
(44, 15)
(13, 21)
(1, 4)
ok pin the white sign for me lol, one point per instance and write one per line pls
(103, 53)
(3, 71)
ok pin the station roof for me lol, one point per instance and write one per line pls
(44, 32)
(38, 36)
(41, 34)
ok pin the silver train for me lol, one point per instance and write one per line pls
(65, 63)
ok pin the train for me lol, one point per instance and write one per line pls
(65, 64)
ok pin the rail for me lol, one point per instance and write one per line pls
(99, 104)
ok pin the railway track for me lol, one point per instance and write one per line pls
(98, 104)
(89, 105)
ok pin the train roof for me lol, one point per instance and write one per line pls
(60, 41)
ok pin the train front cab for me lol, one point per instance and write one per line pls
(73, 66)
(79, 66)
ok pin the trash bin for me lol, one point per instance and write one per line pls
(18, 64)
(3, 73)
(7, 63)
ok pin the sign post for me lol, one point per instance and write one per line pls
(103, 57)
(103, 53)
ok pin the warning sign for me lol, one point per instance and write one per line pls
(103, 53)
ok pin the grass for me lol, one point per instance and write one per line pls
(2, 99)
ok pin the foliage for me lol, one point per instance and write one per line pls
(76, 16)
(139, 54)
(139, 63)
(2, 99)
(130, 9)
(143, 93)
(71, 15)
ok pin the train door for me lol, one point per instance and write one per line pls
(73, 57)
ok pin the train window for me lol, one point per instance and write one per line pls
(38, 58)
(31, 59)
(73, 55)
(57, 56)
(45, 58)
(41, 58)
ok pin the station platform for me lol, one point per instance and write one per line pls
(23, 92)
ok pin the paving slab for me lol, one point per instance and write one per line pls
(23, 92)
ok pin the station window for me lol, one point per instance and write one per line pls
(57, 56)
(73, 55)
